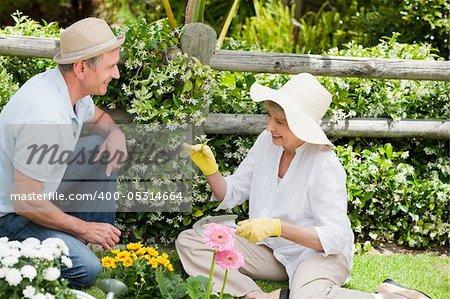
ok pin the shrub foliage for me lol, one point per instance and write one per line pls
(398, 189)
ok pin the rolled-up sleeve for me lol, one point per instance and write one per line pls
(86, 108)
(239, 183)
(328, 201)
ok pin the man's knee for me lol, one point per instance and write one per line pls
(84, 272)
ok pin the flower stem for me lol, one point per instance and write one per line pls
(211, 272)
(224, 283)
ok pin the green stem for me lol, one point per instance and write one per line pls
(169, 14)
(224, 283)
(227, 23)
(211, 272)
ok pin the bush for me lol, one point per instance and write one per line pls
(398, 189)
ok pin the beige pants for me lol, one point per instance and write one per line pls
(316, 277)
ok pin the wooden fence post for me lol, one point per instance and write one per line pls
(199, 40)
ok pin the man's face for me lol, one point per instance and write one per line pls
(96, 80)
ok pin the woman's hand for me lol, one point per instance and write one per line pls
(203, 157)
(258, 229)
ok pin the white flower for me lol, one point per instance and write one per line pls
(373, 169)
(14, 252)
(67, 261)
(51, 273)
(48, 254)
(29, 292)
(49, 296)
(31, 242)
(15, 244)
(4, 240)
(58, 243)
(13, 277)
(39, 296)
(4, 250)
(3, 272)
(30, 252)
(29, 272)
(10, 261)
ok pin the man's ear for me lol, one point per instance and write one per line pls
(79, 68)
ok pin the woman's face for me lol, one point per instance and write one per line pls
(281, 134)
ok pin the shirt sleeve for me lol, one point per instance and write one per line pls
(328, 200)
(239, 183)
(86, 108)
(42, 151)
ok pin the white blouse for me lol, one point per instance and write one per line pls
(312, 193)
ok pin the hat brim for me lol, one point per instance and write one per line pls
(301, 124)
(89, 53)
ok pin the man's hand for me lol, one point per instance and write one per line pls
(100, 233)
(258, 229)
(203, 157)
(115, 148)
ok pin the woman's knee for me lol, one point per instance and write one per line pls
(318, 289)
(185, 239)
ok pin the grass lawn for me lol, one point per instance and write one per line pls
(430, 274)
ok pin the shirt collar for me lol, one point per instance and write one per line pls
(64, 91)
(301, 148)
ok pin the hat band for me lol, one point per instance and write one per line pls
(87, 51)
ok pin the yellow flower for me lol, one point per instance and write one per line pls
(121, 256)
(134, 246)
(153, 262)
(142, 279)
(141, 251)
(162, 261)
(165, 255)
(134, 256)
(169, 268)
(108, 262)
(128, 262)
(115, 251)
(152, 251)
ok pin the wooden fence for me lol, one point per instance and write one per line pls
(199, 40)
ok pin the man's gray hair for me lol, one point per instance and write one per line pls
(91, 62)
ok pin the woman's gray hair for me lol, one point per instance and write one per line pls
(275, 109)
(91, 62)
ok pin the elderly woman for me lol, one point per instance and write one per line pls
(298, 227)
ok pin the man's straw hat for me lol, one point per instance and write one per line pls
(85, 39)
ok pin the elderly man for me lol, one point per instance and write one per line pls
(43, 158)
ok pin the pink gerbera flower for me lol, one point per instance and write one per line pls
(218, 236)
(230, 259)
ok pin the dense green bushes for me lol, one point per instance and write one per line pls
(398, 189)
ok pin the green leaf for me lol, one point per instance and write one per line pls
(187, 220)
(196, 287)
(197, 213)
(187, 86)
(170, 285)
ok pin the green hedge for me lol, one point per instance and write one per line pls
(398, 188)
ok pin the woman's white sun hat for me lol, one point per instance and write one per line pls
(304, 101)
(85, 39)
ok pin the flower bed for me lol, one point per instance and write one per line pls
(32, 269)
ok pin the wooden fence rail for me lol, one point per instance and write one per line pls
(333, 66)
(246, 61)
(252, 124)
(244, 124)
(288, 63)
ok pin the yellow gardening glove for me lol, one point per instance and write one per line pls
(203, 157)
(258, 229)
